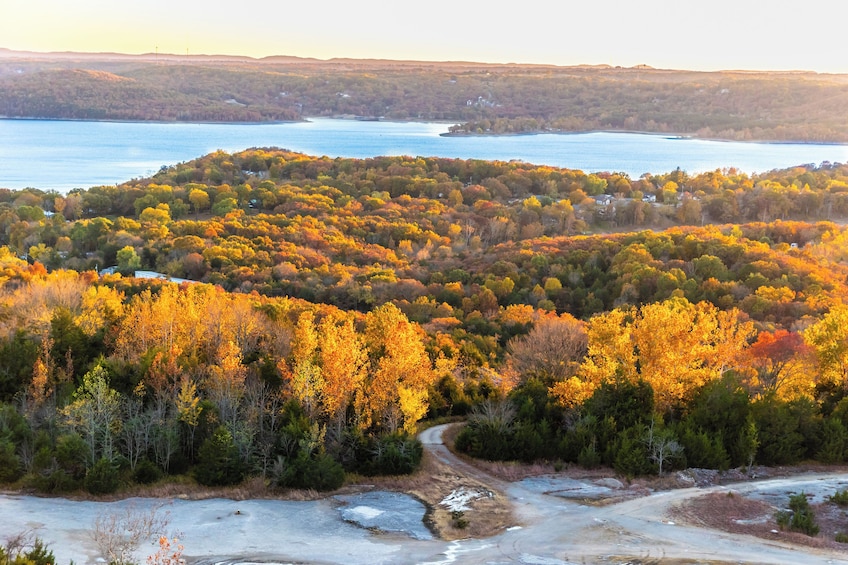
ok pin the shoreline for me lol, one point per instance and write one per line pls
(668, 135)
(165, 122)
(308, 119)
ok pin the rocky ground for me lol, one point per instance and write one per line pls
(458, 511)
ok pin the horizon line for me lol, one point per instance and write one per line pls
(8, 53)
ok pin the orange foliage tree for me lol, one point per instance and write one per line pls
(778, 362)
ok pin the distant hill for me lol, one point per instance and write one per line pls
(480, 98)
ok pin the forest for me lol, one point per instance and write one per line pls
(475, 99)
(322, 309)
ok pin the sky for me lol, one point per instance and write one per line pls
(671, 34)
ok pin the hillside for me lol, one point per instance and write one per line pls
(479, 98)
(332, 304)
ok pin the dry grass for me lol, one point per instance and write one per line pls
(661, 561)
(486, 516)
(186, 488)
(731, 512)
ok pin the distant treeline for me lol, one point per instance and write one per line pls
(480, 99)
(472, 234)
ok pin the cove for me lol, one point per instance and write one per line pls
(63, 155)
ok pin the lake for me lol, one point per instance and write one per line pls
(62, 155)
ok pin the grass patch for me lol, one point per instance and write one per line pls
(839, 498)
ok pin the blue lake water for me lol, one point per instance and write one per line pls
(63, 155)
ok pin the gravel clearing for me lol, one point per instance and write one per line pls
(387, 512)
(633, 524)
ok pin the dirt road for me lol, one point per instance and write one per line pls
(556, 530)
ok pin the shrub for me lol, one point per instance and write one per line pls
(703, 451)
(319, 472)
(322, 473)
(55, 480)
(840, 498)
(783, 517)
(102, 478)
(625, 403)
(834, 438)
(459, 520)
(589, 458)
(490, 432)
(464, 441)
(38, 554)
(800, 518)
(631, 454)
(841, 537)
(70, 453)
(24, 549)
(780, 441)
(146, 472)
(119, 532)
(718, 414)
(395, 454)
(218, 462)
(10, 464)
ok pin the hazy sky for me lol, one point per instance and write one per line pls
(681, 34)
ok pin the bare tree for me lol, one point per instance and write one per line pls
(264, 413)
(663, 447)
(137, 430)
(21, 547)
(119, 534)
(497, 415)
(553, 348)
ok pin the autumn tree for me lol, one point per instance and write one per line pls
(777, 363)
(39, 399)
(343, 359)
(610, 356)
(401, 371)
(225, 386)
(161, 379)
(128, 259)
(95, 413)
(101, 309)
(188, 404)
(675, 346)
(307, 379)
(228, 318)
(828, 339)
(174, 317)
(199, 200)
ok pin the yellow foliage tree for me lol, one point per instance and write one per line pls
(343, 359)
(225, 384)
(829, 340)
(306, 378)
(675, 346)
(101, 305)
(398, 361)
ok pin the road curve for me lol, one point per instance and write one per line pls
(559, 531)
